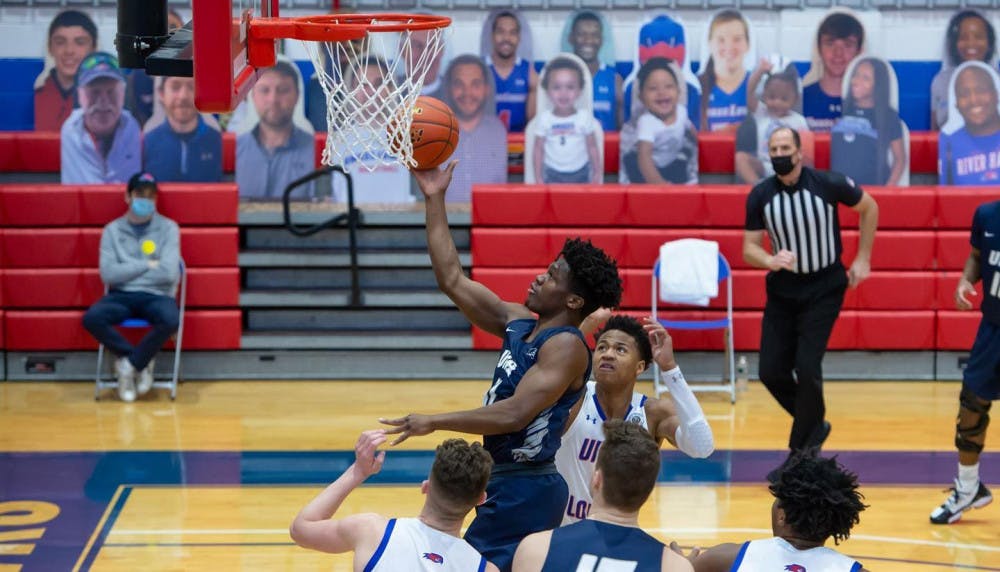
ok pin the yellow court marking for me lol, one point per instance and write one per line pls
(99, 527)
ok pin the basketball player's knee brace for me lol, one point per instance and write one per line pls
(970, 402)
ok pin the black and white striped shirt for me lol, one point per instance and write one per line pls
(803, 218)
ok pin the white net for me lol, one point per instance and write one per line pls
(371, 85)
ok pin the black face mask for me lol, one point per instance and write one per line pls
(782, 165)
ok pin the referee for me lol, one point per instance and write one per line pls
(797, 207)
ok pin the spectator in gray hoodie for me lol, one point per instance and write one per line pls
(140, 264)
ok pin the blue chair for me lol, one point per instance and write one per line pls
(104, 380)
(728, 380)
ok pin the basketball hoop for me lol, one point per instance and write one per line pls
(370, 73)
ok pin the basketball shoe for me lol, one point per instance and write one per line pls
(959, 501)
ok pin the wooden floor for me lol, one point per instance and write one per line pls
(125, 499)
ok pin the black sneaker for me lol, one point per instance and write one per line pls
(959, 502)
(818, 436)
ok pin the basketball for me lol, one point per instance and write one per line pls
(433, 133)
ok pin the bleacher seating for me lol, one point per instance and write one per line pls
(49, 253)
(921, 246)
(38, 152)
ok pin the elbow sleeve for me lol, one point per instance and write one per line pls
(695, 439)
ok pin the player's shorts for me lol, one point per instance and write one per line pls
(982, 374)
(519, 501)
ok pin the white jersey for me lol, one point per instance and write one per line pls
(777, 554)
(577, 456)
(409, 544)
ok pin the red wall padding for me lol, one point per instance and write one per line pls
(956, 330)
(81, 287)
(80, 247)
(33, 205)
(58, 330)
(3, 343)
(956, 205)
(38, 152)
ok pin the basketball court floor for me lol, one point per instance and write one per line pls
(212, 481)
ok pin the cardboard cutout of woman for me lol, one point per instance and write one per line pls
(869, 142)
(659, 144)
(969, 37)
(662, 36)
(725, 73)
(587, 34)
(969, 143)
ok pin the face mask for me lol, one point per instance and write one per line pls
(143, 208)
(782, 165)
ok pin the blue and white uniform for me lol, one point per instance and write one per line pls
(777, 554)
(966, 159)
(409, 544)
(512, 95)
(577, 458)
(525, 494)
(982, 374)
(727, 108)
(820, 109)
(595, 545)
(605, 105)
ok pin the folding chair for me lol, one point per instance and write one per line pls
(105, 380)
(725, 324)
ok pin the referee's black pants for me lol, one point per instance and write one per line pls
(798, 318)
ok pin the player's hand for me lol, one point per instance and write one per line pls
(661, 342)
(434, 182)
(964, 289)
(413, 425)
(367, 458)
(783, 260)
(695, 551)
(859, 272)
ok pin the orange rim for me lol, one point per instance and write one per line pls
(341, 27)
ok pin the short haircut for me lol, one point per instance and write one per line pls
(68, 18)
(593, 275)
(819, 496)
(460, 473)
(506, 14)
(653, 64)
(586, 16)
(955, 28)
(629, 461)
(286, 69)
(840, 25)
(795, 135)
(562, 63)
(632, 328)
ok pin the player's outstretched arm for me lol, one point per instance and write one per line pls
(481, 306)
(679, 420)
(313, 529)
(562, 362)
(716, 559)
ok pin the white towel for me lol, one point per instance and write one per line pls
(689, 271)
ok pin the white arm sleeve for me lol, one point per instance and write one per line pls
(694, 435)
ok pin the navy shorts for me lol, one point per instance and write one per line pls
(516, 505)
(982, 374)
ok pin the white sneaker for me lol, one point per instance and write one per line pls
(145, 382)
(959, 501)
(126, 379)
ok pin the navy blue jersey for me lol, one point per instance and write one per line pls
(512, 95)
(583, 545)
(605, 105)
(539, 441)
(820, 110)
(986, 238)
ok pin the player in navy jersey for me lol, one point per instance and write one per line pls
(541, 373)
(610, 539)
(981, 378)
(430, 542)
(815, 499)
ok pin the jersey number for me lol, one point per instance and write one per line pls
(491, 395)
(593, 563)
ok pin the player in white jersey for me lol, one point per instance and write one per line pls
(814, 499)
(625, 348)
(430, 542)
